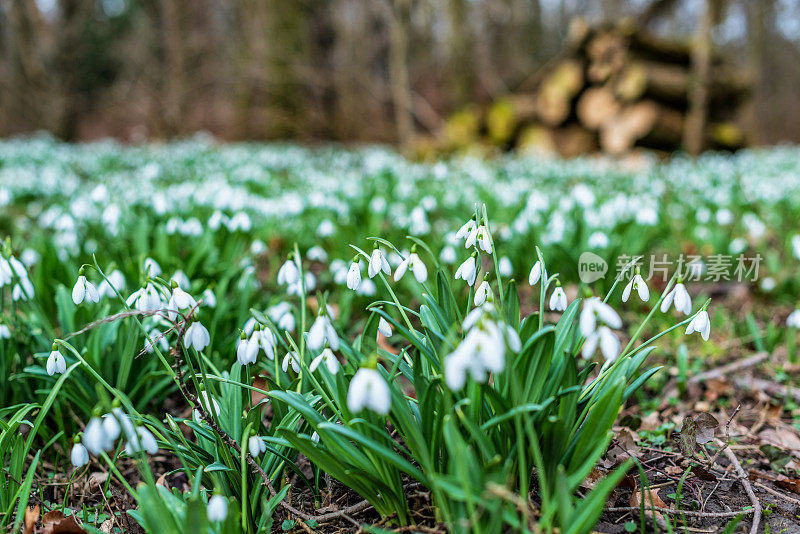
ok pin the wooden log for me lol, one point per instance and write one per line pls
(669, 84)
(567, 142)
(644, 121)
(554, 100)
(596, 106)
(607, 53)
(505, 115)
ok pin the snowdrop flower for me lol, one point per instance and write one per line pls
(209, 403)
(22, 290)
(151, 267)
(681, 298)
(79, 456)
(155, 337)
(598, 240)
(325, 228)
(321, 331)
(354, 275)
(317, 253)
(115, 422)
(369, 390)
(796, 246)
(448, 255)
(291, 358)
(56, 362)
(84, 289)
(264, 338)
(217, 509)
(5, 332)
(466, 229)
(209, 298)
(609, 344)
(468, 270)
(142, 440)
(700, 324)
(558, 300)
(637, 283)
(412, 262)
(256, 446)
(378, 263)
(196, 336)
(593, 309)
(482, 351)
(179, 300)
(504, 267)
(328, 358)
(289, 273)
(793, 320)
(536, 273)
(368, 288)
(95, 438)
(483, 293)
(180, 279)
(386, 329)
(6, 274)
(247, 350)
(146, 298)
(480, 235)
(113, 283)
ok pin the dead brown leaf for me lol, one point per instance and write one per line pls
(31, 517)
(651, 498)
(787, 483)
(55, 522)
(781, 437)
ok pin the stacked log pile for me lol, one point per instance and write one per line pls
(614, 88)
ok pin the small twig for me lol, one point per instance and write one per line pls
(786, 498)
(683, 512)
(746, 483)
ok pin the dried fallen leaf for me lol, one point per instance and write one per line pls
(782, 437)
(697, 430)
(31, 517)
(651, 499)
(706, 425)
(787, 483)
(55, 522)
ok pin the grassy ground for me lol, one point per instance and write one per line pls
(483, 456)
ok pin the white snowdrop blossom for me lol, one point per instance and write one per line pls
(328, 358)
(179, 300)
(504, 267)
(289, 273)
(291, 358)
(265, 339)
(196, 336)
(141, 440)
(681, 298)
(448, 255)
(113, 283)
(480, 235)
(637, 283)
(209, 298)
(217, 509)
(558, 300)
(468, 270)
(84, 289)
(256, 445)
(482, 351)
(321, 331)
(151, 267)
(416, 266)
(95, 438)
(354, 275)
(317, 253)
(5, 331)
(247, 350)
(378, 263)
(466, 229)
(368, 390)
(483, 293)
(609, 344)
(79, 456)
(700, 324)
(384, 328)
(796, 246)
(536, 274)
(146, 298)
(56, 362)
(793, 320)
(209, 403)
(594, 309)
